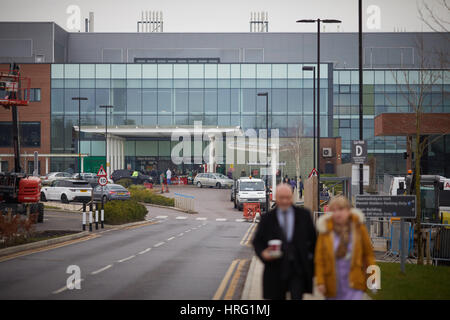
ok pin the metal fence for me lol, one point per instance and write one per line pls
(436, 242)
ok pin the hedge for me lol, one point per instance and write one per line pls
(125, 182)
(119, 211)
(142, 194)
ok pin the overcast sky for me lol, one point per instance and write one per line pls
(217, 15)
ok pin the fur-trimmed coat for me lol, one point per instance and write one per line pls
(361, 253)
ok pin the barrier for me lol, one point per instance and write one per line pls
(437, 242)
(184, 202)
(89, 215)
(148, 185)
(250, 210)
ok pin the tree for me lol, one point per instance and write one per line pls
(416, 87)
(296, 147)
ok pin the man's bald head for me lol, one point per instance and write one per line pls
(284, 196)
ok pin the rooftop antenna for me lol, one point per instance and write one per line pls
(151, 21)
(259, 21)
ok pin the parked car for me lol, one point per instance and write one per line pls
(128, 174)
(111, 192)
(87, 176)
(67, 190)
(53, 176)
(217, 180)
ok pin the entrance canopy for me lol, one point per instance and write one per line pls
(162, 132)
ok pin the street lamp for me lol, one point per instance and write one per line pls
(318, 94)
(266, 94)
(313, 69)
(106, 107)
(79, 132)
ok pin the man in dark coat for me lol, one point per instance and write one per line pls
(292, 272)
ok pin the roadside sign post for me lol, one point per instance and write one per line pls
(103, 181)
(359, 156)
(402, 245)
(403, 207)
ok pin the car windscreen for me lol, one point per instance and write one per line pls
(252, 186)
(221, 176)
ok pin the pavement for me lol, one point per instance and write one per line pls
(173, 255)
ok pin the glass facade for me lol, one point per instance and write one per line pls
(225, 95)
(178, 94)
(384, 91)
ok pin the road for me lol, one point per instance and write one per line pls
(173, 256)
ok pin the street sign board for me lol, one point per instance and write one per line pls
(359, 151)
(387, 206)
(355, 175)
(102, 181)
(101, 172)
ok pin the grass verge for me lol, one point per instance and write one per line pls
(420, 282)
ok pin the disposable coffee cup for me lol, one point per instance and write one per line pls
(275, 247)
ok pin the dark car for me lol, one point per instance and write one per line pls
(111, 192)
(128, 174)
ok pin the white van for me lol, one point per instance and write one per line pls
(250, 190)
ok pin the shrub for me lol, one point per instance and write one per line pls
(125, 182)
(118, 211)
(142, 194)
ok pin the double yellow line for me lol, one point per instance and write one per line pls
(230, 281)
(248, 236)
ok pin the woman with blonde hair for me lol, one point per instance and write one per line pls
(343, 252)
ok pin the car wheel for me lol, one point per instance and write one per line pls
(43, 198)
(199, 184)
(218, 185)
(64, 199)
(105, 199)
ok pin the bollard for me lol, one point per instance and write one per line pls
(96, 216)
(90, 216)
(84, 216)
(102, 216)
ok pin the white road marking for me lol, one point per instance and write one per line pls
(127, 258)
(201, 218)
(65, 287)
(171, 238)
(181, 234)
(145, 251)
(221, 219)
(159, 244)
(194, 228)
(161, 217)
(101, 269)
(188, 230)
(181, 218)
(240, 220)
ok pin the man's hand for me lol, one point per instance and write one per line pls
(321, 288)
(266, 255)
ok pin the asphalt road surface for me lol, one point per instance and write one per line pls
(173, 256)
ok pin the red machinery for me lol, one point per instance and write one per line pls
(19, 192)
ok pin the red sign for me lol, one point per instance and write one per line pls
(101, 172)
(102, 181)
(313, 173)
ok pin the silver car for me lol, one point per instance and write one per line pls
(217, 180)
(111, 192)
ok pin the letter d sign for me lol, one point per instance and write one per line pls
(359, 151)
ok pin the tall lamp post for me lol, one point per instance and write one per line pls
(360, 53)
(313, 69)
(319, 21)
(266, 94)
(106, 107)
(79, 132)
